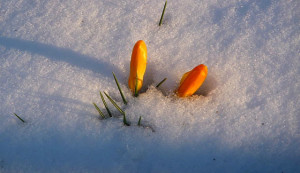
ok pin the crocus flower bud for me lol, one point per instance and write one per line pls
(192, 80)
(137, 66)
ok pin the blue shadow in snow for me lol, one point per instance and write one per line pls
(61, 54)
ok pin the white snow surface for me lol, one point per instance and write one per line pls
(56, 55)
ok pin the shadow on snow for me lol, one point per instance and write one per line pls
(61, 54)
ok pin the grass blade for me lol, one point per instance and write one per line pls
(139, 123)
(161, 82)
(135, 89)
(162, 15)
(97, 108)
(124, 100)
(19, 118)
(125, 121)
(115, 104)
(104, 102)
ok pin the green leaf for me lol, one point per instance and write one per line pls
(162, 15)
(135, 89)
(161, 82)
(139, 123)
(99, 111)
(125, 121)
(115, 104)
(124, 100)
(19, 118)
(106, 107)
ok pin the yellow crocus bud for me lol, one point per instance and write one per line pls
(192, 80)
(138, 65)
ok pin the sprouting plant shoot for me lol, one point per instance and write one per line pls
(119, 109)
(124, 100)
(161, 82)
(125, 120)
(19, 118)
(115, 104)
(139, 123)
(106, 107)
(162, 15)
(99, 111)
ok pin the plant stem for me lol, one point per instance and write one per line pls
(124, 100)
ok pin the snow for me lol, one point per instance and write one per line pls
(55, 57)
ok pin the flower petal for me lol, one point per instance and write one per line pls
(191, 81)
(138, 65)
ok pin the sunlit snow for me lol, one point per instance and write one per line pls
(56, 55)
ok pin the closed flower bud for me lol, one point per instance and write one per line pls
(192, 80)
(137, 66)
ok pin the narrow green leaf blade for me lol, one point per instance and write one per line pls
(115, 104)
(19, 118)
(162, 15)
(139, 123)
(99, 111)
(135, 89)
(125, 120)
(123, 98)
(106, 107)
(161, 82)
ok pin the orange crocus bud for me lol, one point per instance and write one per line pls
(192, 80)
(137, 66)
